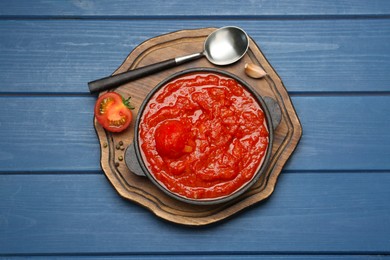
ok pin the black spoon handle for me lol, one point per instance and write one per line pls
(119, 79)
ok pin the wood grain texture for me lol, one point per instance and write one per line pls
(140, 189)
(55, 135)
(64, 140)
(309, 213)
(331, 201)
(195, 256)
(316, 56)
(138, 8)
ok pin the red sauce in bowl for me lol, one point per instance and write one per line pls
(203, 136)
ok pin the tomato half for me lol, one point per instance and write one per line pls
(113, 112)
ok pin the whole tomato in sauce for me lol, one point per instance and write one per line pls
(171, 139)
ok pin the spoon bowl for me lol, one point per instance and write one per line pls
(224, 46)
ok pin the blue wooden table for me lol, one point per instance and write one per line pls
(332, 200)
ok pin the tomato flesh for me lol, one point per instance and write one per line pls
(171, 139)
(203, 136)
(112, 113)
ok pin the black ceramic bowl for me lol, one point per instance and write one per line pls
(135, 160)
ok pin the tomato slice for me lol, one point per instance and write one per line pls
(113, 112)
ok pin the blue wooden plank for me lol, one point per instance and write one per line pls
(200, 257)
(123, 8)
(343, 132)
(52, 56)
(57, 134)
(48, 134)
(337, 213)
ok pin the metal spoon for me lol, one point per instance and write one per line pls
(222, 47)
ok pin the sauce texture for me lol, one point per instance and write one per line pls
(203, 136)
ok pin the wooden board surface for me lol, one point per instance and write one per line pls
(331, 200)
(65, 140)
(140, 189)
(320, 56)
(80, 214)
(180, 9)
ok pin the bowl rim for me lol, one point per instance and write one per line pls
(241, 189)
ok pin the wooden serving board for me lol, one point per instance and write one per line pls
(142, 191)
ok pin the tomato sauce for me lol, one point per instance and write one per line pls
(203, 136)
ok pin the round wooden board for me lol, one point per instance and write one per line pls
(139, 189)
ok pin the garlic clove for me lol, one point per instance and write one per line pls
(254, 71)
